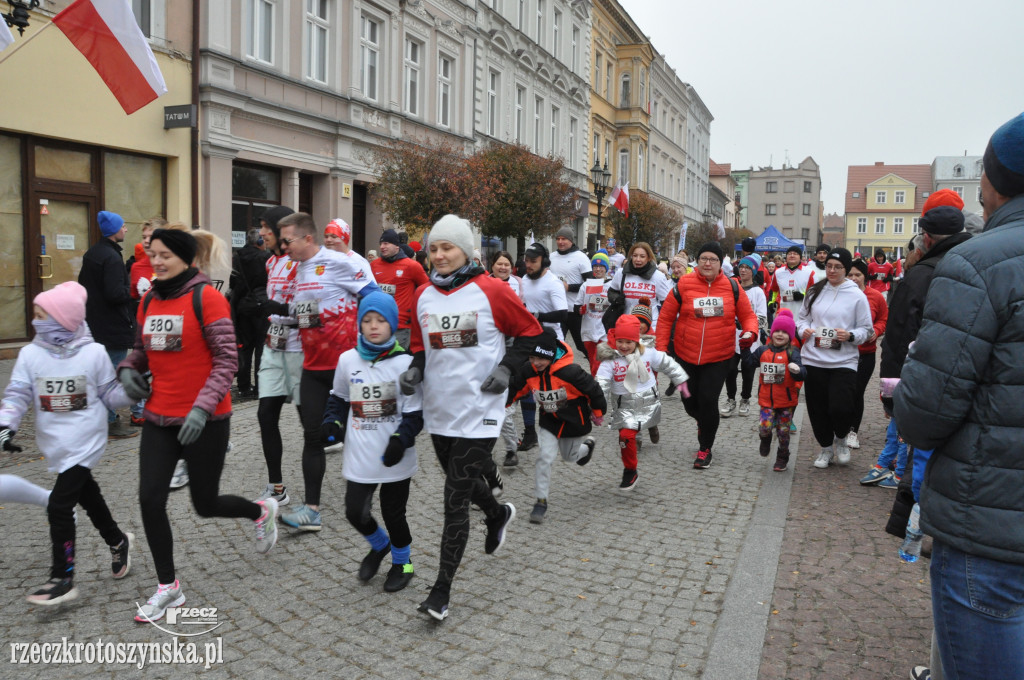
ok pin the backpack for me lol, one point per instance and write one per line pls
(197, 303)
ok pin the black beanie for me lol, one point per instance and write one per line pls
(822, 249)
(942, 220)
(545, 345)
(749, 244)
(713, 247)
(390, 236)
(861, 266)
(844, 257)
(795, 249)
(274, 215)
(181, 243)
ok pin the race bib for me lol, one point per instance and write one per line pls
(162, 332)
(550, 400)
(388, 288)
(277, 336)
(880, 276)
(597, 303)
(787, 296)
(452, 331)
(708, 306)
(772, 373)
(373, 400)
(308, 313)
(59, 395)
(825, 338)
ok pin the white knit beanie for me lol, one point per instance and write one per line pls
(454, 229)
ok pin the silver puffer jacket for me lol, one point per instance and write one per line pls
(642, 410)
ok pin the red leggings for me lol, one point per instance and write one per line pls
(627, 444)
(591, 348)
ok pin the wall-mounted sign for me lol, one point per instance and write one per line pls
(65, 241)
(238, 239)
(179, 116)
(346, 191)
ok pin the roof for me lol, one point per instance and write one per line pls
(858, 177)
(943, 168)
(719, 169)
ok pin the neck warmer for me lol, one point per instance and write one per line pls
(393, 258)
(171, 288)
(370, 352)
(457, 277)
(645, 272)
(819, 265)
(568, 250)
(52, 332)
(636, 371)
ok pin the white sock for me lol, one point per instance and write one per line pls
(14, 489)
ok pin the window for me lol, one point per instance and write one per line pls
(654, 173)
(805, 234)
(661, 181)
(880, 197)
(901, 197)
(607, 150)
(788, 209)
(958, 171)
(642, 89)
(915, 224)
(807, 187)
(771, 188)
(623, 166)
(444, 90)
(855, 194)
(597, 147)
(788, 186)
(540, 22)
(598, 73)
(521, 14)
(807, 209)
(862, 225)
(609, 76)
(575, 58)
(538, 115)
(624, 90)
(261, 30)
(879, 225)
(897, 225)
(556, 38)
(493, 81)
(977, 196)
(640, 168)
(654, 115)
(770, 209)
(369, 41)
(143, 13)
(573, 124)
(554, 129)
(959, 191)
(316, 40)
(413, 55)
(520, 103)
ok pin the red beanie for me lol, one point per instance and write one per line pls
(627, 328)
(943, 197)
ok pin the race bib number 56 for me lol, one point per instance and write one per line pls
(66, 393)
(825, 338)
(450, 331)
(162, 332)
(373, 400)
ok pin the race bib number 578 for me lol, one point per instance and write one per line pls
(450, 331)
(62, 394)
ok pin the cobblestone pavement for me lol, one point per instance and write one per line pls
(612, 585)
(845, 606)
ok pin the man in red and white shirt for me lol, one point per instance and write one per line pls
(791, 281)
(398, 276)
(880, 272)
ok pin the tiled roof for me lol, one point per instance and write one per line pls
(858, 177)
(719, 169)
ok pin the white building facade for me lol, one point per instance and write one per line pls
(668, 169)
(961, 174)
(698, 152)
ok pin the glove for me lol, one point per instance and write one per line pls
(797, 295)
(793, 368)
(142, 286)
(497, 381)
(394, 451)
(332, 432)
(746, 340)
(684, 389)
(596, 419)
(135, 384)
(6, 434)
(409, 380)
(195, 421)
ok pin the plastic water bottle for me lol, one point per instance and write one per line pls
(911, 548)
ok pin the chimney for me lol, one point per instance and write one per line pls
(877, 163)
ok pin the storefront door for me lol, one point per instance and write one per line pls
(60, 237)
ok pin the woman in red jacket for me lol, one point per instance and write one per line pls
(188, 344)
(866, 364)
(698, 325)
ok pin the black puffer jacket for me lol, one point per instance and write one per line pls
(108, 309)
(962, 393)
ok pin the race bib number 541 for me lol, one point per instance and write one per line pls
(62, 394)
(450, 331)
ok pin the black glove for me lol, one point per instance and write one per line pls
(6, 435)
(135, 384)
(797, 295)
(409, 380)
(394, 451)
(670, 390)
(193, 426)
(332, 432)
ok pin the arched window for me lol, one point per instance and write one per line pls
(625, 91)
(642, 87)
(958, 171)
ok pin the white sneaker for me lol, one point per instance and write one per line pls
(842, 451)
(729, 408)
(744, 407)
(180, 476)
(168, 595)
(852, 441)
(824, 458)
(266, 527)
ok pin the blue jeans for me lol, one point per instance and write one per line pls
(116, 357)
(893, 449)
(920, 463)
(978, 610)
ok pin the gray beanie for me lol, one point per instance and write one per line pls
(454, 229)
(566, 232)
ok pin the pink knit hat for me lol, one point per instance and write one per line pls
(65, 304)
(784, 322)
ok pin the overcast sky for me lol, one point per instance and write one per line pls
(847, 83)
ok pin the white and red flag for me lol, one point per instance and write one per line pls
(619, 199)
(105, 31)
(6, 37)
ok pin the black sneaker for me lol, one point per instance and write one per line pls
(585, 458)
(702, 461)
(511, 459)
(629, 478)
(436, 605)
(120, 559)
(496, 528)
(780, 464)
(398, 577)
(766, 446)
(55, 591)
(539, 510)
(371, 563)
(495, 483)
(655, 434)
(529, 440)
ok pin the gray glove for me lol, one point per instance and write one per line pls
(135, 384)
(195, 421)
(409, 380)
(497, 381)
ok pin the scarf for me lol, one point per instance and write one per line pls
(636, 371)
(457, 277)
(172, 287)
(52, 332)
(370, 352)
(393, 258)
(645, 272)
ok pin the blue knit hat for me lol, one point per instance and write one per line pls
(110, 223)
(382, 303)
(1004, 158)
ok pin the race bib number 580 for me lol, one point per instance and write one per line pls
(450, 331)
(162, 332)
(61, 394)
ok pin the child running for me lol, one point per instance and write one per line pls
(781, 370)
(569, 399)
(68, 379)
(592, 301)
(379, 425)
(626, 377)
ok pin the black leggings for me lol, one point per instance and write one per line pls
(830, 394)
(314, 389)
(158, 454)
(705, 384)
(464, 461)
(730, 379)
(865, 369)
(573, 325)
(394, 496)
(269, 415)
(75, 486)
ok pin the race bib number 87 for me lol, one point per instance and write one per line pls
(451, 331)
(59, 395)
(373, 400)
(162, 332)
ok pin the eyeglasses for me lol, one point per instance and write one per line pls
(708, 260)
(835, 268)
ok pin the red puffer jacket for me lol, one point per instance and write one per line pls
(785, 394)
(704, 332)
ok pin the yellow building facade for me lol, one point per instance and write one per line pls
(883, 204)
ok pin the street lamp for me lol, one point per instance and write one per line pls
(600, 177)
(18, 17)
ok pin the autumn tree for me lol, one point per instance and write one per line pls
(697, 235)
(649, 220)
(732, 237)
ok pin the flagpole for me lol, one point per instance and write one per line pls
(21, 43)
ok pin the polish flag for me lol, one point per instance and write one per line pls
(619, 199)
(6, 37)
(105, 31)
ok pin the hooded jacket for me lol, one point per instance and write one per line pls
(784, 394)
(108, 309)
(962, 392)
(574, 394)
(142, 270)
(642, 409)
(842, 307)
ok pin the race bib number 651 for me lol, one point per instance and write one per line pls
(449, 331)
(772, 373)
(62, 394)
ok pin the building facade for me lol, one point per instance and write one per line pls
(666, 176)
(720, 176)
(882, 205)
(698, 156)
(961, 174)
(788, 198)
(742, 179)
(834, 231)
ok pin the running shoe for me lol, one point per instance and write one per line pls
(398, 577)
(436, 605)
(529, 440)
(271, 492)
(766, 446)
(497, 529)
(585, 458)
(892, 482)
(729, 408)
(744, 408)
(120, 558)
(55, 591)
(371, 563)
(303, 518)
(852, 441)
(842, 451)
(266, 526)
(780, 464)
(511, 459)
(629, 478)
(703, 460)
(540, 508)
(180, 476)
(876, 475)
(824, 458)
(166, 595)
(655, 434)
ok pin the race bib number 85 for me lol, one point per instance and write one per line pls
(373, 400)
(162, 332)
(449, 331)
(59, 395)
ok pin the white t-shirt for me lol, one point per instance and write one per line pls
(361, 262)
(376, 405)
(545, 294)
(593, 298)
(571, 268)
(616, 261)
(635, 287)
(283, 333)
(760, 305)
